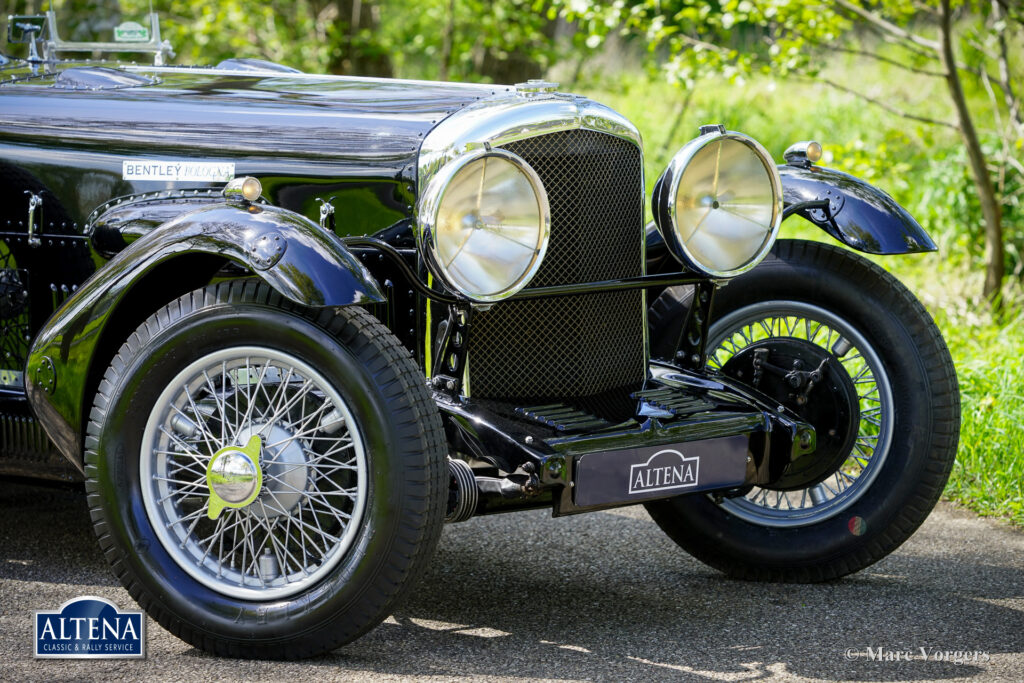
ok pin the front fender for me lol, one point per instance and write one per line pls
(859, 215)
(293, 255)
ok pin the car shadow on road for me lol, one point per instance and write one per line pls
(607, 596)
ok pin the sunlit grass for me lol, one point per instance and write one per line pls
(990, 464)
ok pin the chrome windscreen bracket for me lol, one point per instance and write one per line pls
(128, 37)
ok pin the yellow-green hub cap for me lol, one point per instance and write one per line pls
(234, 477)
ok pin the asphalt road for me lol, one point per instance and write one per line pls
(604, 596)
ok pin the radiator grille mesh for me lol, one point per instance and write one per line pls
(582, 345)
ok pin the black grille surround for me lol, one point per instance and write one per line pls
(577, 346)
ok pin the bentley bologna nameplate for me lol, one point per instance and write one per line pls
(663, 471)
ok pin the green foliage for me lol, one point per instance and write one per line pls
(287, 32)
(489, 40)
(944, 198)
(499, 40)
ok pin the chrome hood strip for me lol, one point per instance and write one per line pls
(505, 118)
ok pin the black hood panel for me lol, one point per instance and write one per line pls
(366, 122)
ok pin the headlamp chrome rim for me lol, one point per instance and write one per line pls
(429, 206)
(665, 199)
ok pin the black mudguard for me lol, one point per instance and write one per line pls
(858, 215)
(293, 255)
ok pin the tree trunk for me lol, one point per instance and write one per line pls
(446, 40)
(577, 70)
(356, 56)
(994, 259)
(666, 147)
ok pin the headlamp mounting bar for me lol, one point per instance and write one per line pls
(661, 280)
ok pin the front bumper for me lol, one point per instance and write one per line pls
(690, 433)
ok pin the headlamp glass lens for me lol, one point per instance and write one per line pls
(491, 229)
(725, 206)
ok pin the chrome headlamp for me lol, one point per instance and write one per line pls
(484, 224)
(719, 203)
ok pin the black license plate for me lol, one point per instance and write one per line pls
(649, 472)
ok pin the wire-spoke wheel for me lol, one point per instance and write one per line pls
(808, 326)
(312, 466)
(266, 480)
(845, 346)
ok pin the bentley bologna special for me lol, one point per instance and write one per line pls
(284, 326)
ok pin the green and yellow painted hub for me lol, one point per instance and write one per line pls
(234, 476)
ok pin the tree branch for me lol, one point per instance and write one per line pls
(909, 47)
(447, 37)
(1005, 81)
(1001, 168)
(982, 50)
(886, 106)
(927, 54)
(1012, 161)
(701, 44)
(887, 60)
(888, 26)
(1010, 10)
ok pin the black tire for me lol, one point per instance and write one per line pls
(404, 449)
(925, 433)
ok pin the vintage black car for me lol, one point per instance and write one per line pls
(284, 326)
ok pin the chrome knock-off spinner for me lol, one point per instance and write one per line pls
(234, 476)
